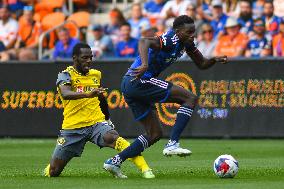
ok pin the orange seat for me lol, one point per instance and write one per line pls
(51, 20)
(82, 19)
(45, 7)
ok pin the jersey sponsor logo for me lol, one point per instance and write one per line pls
(80, 89)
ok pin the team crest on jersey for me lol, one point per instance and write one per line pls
(95, 80)
(61, 141)
(77, 81)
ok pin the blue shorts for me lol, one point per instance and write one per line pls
(142, 94)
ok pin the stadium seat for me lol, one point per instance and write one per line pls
(45, 7)
(82, 18)
(50, 21)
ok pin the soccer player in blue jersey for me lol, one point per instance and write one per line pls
(142, 89)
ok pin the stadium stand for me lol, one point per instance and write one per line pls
(110, 14)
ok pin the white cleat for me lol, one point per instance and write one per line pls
(114, 169)
(172, 148)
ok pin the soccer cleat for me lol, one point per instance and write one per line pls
(173, 148)
(46, 171)
(114, 168)
(148, 174)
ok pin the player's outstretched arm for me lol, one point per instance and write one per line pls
(68, 94)
(202, 62)
(144, 44)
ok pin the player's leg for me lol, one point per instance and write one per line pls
(154, 133)
(188, 101)
(110, 138)
(113, 140)
(70, 144)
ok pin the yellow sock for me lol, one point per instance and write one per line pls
(139, 161)
(46, 171)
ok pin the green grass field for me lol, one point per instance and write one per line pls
(261, 166)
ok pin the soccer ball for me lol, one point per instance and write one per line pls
(225, 166)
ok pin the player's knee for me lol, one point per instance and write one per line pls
(110, 138)
(191, 101)
(54, 171)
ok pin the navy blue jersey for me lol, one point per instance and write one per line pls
(158, 60)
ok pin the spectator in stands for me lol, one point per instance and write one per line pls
(174, 8)
(220, 18)
(152, 10)
(278, 41)
(64, 47)
(147, 30)
(27, 41)
(137, 20)
(2, 47)
(260, 44)
(102, 45)
(28, 35)
(15, 6)
(271, 21)
(116, 20)
(245, 18)
(8, 28)
(233, 43)
(128, 46)
(231, 7)
(279, 8)
(191, 12)
(160, 27)
(207, 45)
(257, 8)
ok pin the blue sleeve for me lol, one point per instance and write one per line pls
(63, 78)
(56, 51)
(117, 50)
(249, 45)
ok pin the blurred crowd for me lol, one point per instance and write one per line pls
(236, 28)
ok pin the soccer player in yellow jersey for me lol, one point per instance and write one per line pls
(85, 114)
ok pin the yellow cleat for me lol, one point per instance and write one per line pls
(46, 171)
(148, 174)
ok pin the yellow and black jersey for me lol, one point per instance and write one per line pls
(81, 112)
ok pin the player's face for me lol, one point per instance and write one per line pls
(186, 33)
(84, 60)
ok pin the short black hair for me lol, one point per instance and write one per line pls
(181, 20)
(125, 24)
(77, 48)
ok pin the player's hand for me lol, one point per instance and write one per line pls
(220, 59)
(96, 92)
(139, 71)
